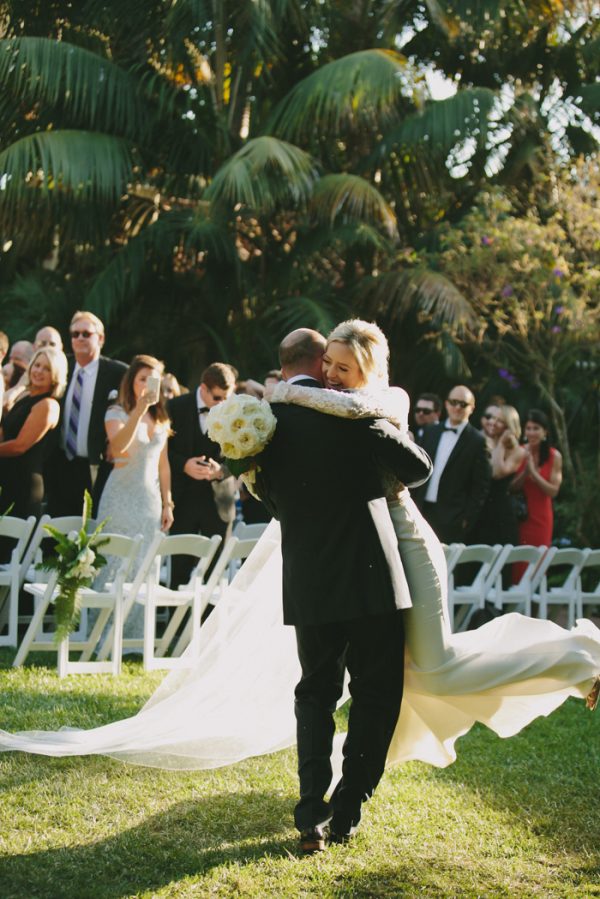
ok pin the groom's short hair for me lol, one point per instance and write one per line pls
(301, 346)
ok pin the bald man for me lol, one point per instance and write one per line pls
(453, 497)
(48, 336)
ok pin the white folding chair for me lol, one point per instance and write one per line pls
(471, 597)
(33, 556)
(19, 530)
(452, 551)
(588, 585)
(249, 531)
(566, 565)
(109, 601)
(234, 551)
(147, 590)
(520, 594)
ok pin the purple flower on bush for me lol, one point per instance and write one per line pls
(555, 329)
(507, 291)
(558, 272)
(509, 378)
(487, 241)
(558, 310)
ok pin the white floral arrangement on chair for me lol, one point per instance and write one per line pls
(76, 559)
(242, 426)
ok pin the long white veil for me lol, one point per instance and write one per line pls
(236, 698)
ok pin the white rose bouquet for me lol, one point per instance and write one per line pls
(77, 560)
(242, 426)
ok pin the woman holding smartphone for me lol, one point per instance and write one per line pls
(137, 496)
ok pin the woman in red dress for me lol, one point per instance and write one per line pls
(539, 477)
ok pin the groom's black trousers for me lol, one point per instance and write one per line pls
(372, 649)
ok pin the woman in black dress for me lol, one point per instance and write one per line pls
(498, 521)
(29, 432)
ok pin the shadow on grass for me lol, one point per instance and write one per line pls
(546, 775)
(187, 840)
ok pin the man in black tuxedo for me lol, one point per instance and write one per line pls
(79, 463)
(343, 587)
(454, 496)
(203, 489)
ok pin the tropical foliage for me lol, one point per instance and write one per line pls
(206, 176)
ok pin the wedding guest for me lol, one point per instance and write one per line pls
(539, 477)
(15, 372)
(29, 430)
(48, 336)
(169, 386)
(136, 498)
(426, 412)
(498, 520)
(80, 462)
(250, 388)
(452, 499)
(272, 377)
(203, 489)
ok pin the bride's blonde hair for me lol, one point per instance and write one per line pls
(369, 345)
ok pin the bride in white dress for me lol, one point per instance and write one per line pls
(243, 664)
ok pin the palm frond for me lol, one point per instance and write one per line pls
(444, 123)
(358, 90)
(304, 312)
(393, 295)
(121, 278)
(350, 198)
(356, 235)
(263, 175)
(91, 90)
(57, 165)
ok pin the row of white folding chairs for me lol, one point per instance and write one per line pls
(115, 600)
(539, 566)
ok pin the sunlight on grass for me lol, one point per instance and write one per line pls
(515, 817)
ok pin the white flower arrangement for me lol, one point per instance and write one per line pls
(242, 426)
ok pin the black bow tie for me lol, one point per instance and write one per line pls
(203, 409)
(454, 430)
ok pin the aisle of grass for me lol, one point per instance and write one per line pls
(509, 818)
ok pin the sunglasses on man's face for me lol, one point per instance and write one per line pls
(86, 334)
(461, 403)
(421, 410)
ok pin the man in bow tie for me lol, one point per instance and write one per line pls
(453, 498)
(203, 489)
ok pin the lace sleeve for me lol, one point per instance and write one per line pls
(391, 403)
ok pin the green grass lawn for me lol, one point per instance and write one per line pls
(514, 818)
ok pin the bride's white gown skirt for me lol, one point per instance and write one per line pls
(236, 699)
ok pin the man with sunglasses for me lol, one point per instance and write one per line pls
(203, 490)
(452, 499)
(80, 464)
(426, 411)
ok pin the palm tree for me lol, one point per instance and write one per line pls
(224, 171)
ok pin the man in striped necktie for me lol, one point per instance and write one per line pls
(94, 380)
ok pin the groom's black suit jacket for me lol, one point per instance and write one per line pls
(322, 477)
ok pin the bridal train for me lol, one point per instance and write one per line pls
(243, 669)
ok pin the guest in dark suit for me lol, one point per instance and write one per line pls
(453, 498)
(343, 586)
(203, 489)
(79, 463)
(427, 411)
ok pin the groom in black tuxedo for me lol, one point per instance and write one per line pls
(343, 587)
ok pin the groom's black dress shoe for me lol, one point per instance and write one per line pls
(312, 840)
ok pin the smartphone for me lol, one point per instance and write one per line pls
(203, 462)
(153, 388)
